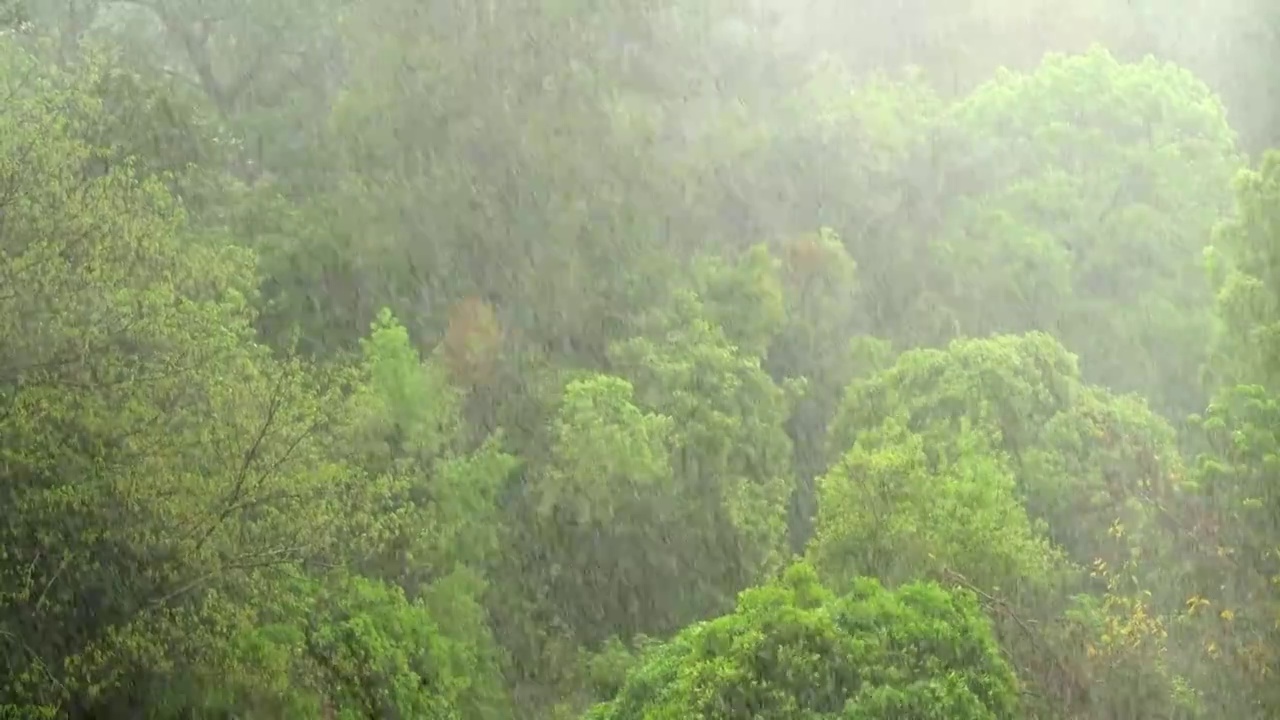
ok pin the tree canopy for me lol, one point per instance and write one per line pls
(602, 360)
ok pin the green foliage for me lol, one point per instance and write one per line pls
(745, 299)
(794, 649)
(992, 466)
(169, 476)
(1096, 184)
(413, 404)
(665, 493)
(12, 15)
(887, 510)
(730, 444)
(428, 519)
(1233, 598)
(1011, 384)
(1249, 283)
(617, 531)
(606, 449)
(468, 360)
(379, 655)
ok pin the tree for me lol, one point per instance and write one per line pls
(991, 466)
(614, 524)
(1093, 187)
(193, 521)
(1233, 524)
(1245, 255)
(155, 455)
(665, 488)
(730, 447)
(793, 648)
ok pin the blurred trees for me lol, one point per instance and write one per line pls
(476, 360)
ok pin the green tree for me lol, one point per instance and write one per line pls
(730, 445)
(616, 528)
(1092, 190)
(792, 648)
(184, 507)
(1233, 525)
(428, 518)
(154, 453)
(991, 465)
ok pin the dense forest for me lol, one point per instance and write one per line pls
(663, 359)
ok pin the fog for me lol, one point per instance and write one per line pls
(611, 360)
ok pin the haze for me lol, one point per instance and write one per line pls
(652, 360)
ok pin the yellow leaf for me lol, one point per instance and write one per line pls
(1227, 615)
(1195, 602)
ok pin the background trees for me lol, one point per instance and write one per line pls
(547, 359)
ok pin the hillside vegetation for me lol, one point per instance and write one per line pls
(649, 360)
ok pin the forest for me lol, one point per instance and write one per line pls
(649, 360)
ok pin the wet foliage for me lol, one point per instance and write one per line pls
(550, 359)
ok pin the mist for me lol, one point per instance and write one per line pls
(554, 359)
